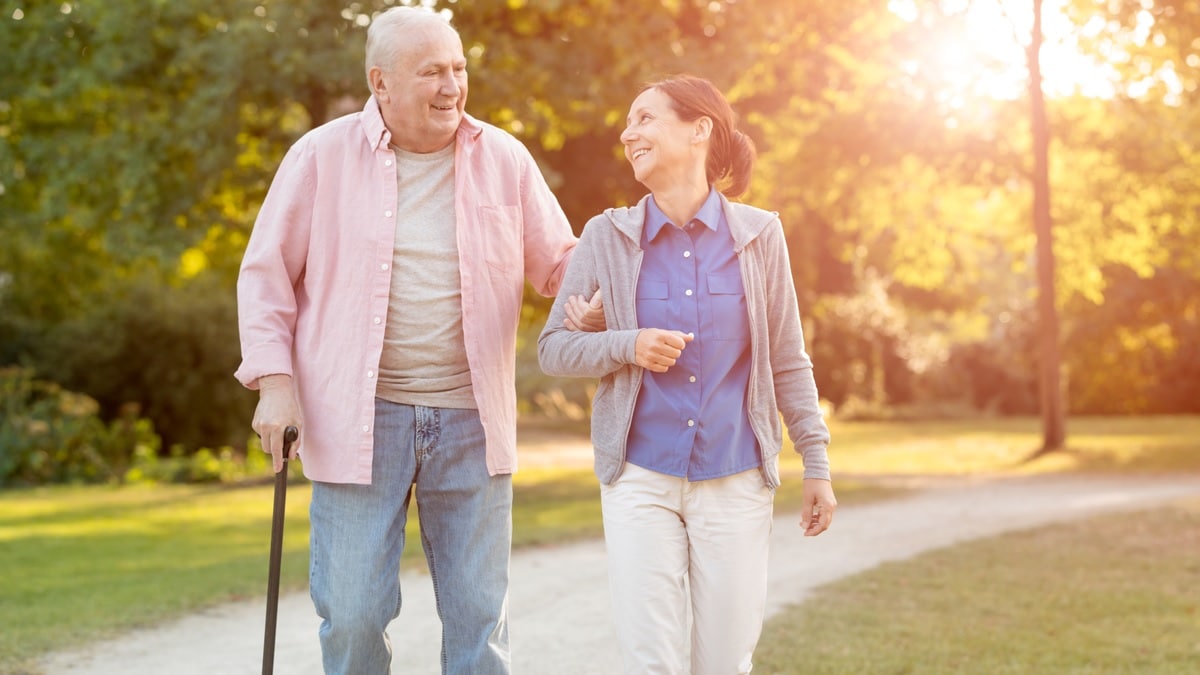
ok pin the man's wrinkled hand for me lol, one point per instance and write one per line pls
(277, 410)
(585, 315)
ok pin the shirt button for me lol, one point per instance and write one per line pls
(378, 321)
(687, 254)
(692, 335)
(388, 214)
(692, 378)
(387, 162)
(366, 428)
(383, 266)
(691, 423)
(370, 373)
(688, 292)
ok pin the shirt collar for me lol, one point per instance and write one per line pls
(708, 215)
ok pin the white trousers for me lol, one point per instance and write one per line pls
(687, 555)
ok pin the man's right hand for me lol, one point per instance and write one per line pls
(585, 315)
(277, 410)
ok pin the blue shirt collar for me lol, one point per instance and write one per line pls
(708, 215)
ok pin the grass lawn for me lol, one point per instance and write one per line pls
(1109, 595)
(100, 560)
(1152, 444)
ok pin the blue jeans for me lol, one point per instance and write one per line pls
(466, 530)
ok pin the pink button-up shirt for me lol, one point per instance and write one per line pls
(314, 282)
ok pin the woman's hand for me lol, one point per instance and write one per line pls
(819, 505)
(657, 350)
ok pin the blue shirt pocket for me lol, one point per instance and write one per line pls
(652, 308)
(728, 307)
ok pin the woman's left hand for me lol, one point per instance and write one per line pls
(819, 505)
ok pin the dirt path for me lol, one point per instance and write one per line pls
(560, 613)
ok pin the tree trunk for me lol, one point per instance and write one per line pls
(1053, 415)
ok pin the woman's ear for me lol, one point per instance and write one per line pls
(702, 129)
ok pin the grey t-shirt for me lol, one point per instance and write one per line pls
(424, 360)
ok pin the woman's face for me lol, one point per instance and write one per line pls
(659, 146)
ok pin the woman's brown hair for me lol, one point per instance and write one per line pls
(731, 153)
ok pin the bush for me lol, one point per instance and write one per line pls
(51, 435)
(205, 465)
(166, 349)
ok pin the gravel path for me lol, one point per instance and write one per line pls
(559, 604)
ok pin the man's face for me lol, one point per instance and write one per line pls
(423, 95)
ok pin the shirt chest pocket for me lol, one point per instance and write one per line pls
(727, 307)
(497, 239)
(652, 303)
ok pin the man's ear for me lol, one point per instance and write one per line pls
(378, 83)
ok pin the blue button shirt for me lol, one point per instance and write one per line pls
(691, 421)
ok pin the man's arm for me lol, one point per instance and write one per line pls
(267, 307)
(272, 266)
(548, 239)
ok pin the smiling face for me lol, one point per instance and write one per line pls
(422, 94)
(662, 148)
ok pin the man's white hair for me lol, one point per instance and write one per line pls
(388, 30)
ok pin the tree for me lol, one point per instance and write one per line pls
(144, 133)
(1049, 363)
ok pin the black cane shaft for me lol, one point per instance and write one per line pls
(278, 511)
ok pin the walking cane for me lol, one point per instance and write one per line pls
(290, 435)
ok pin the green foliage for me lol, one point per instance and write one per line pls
(1139, 351)
(51, 435)
(205, 465)
(142, 135)
(132, 128)
(166, 349)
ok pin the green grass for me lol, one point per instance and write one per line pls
(1109, 595)
(101, 560)
(1161, 444)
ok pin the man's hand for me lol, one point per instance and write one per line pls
(277, 410)
(585, 315)
(657, 350)
(818, 506)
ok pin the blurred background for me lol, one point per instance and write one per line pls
(920, 166)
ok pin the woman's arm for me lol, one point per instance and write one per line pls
(791, 367)
(564, 352)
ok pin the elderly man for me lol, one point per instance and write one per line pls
(378, 305)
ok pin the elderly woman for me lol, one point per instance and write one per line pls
(702, 351)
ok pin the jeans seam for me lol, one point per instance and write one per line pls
(431, 560)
